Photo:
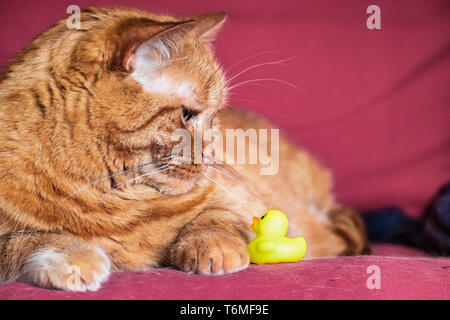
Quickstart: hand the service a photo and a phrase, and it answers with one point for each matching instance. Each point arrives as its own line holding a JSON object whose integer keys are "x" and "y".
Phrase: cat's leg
{"x": 53, "y": 261}
{"x": 214, "y": 243}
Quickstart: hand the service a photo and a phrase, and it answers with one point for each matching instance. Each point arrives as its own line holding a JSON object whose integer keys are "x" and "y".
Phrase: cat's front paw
{"x": 76, "y": 269}
{"x": 210, "y": 253}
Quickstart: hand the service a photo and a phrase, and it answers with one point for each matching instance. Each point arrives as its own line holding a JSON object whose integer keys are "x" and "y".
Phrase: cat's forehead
{"x": 191, "y": 78}
{"x": 184, "y": 91}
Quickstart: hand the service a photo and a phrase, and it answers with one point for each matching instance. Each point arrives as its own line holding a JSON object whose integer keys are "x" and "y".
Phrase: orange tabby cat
{"x": 88, "y": 182}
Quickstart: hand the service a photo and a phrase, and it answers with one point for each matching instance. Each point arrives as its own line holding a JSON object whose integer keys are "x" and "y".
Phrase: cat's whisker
{"x": 228, "y": 174}
{"x": 261, "y": 85}
{"x": 240, "y": 84}
{"x": 231, "y": 174}
{"x": 212, "y": 179}
{"x": 124, "y": 172}
{"x": 254, "y": 56}
{"x": 152, "y": 172}
{"x": 279, "y": 62}
{"x": 134, "y": 169}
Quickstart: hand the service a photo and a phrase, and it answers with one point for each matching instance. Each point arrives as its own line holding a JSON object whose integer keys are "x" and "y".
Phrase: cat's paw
{"x": 82, "y": 268}
{"x": 210, "y": 253}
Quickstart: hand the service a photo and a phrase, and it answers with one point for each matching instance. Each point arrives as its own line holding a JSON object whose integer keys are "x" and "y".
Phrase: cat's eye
{"x": 188, "y": 114}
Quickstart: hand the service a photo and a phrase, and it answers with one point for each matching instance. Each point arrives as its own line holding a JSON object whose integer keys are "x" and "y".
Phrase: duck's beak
{"x": 255, "y": 223}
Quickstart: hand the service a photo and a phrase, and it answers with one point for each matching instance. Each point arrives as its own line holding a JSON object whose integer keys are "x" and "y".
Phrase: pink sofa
{"x": 373, "y": 105}
{"x": 404, "y": 274}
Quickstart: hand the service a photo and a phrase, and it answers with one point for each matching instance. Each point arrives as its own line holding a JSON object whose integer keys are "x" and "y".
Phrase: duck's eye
{"x": 188, "y": 114}
{"x": 263, "y": 217}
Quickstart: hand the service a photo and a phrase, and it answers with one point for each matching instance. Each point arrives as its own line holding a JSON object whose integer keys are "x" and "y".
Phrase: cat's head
{"x": 147, "y": 76}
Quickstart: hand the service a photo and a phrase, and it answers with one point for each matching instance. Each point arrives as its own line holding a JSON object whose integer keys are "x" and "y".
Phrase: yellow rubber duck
{"x": 271, "y": 244}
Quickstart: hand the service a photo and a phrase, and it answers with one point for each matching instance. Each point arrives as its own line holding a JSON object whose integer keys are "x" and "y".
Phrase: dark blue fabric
{"x": 436, "y": 221}
{"x": 431, "y": 233}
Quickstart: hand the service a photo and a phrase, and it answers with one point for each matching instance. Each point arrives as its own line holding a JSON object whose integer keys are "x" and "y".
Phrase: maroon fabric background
{"x": 374, "y": 105}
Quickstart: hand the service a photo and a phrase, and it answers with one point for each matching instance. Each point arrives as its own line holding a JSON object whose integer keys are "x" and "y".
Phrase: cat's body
{"x": 84, "y": 112}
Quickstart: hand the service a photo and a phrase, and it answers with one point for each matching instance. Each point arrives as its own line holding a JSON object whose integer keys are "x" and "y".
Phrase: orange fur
{"x": 76, "y": 127}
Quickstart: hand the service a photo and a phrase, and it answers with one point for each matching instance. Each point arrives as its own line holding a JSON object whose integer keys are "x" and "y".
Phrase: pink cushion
{"x": 402, "y": 277}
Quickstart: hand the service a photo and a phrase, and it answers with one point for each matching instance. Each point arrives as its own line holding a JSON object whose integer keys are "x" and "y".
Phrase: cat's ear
{"x": 208, "y": 25}
{"x": 155, "y": 40}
